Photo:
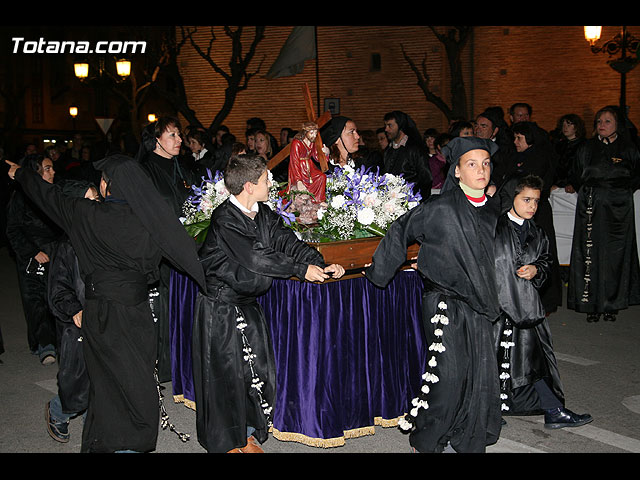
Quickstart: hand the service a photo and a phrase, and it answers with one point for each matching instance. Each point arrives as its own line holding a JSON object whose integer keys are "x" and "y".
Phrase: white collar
{"x": 401, "y": 143}
{"x": 519, "y": 221}
{"x": 254, "y": 208}
{"x": 200, "y": 154}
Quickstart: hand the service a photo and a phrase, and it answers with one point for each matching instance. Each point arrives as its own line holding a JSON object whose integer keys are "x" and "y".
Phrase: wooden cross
{"x": 320, "y": 121}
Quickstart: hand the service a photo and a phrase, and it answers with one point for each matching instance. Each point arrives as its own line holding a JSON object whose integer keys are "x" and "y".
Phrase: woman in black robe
{"x": 119, "y": 244}
{"x": 33, "y": 238}
{"x": 529, "y": 378}
{"x": 604, "y": 276}
{"x": 573, "y": 134}
{"x": 159, "y": 155}
{"x": 460, "y": 398}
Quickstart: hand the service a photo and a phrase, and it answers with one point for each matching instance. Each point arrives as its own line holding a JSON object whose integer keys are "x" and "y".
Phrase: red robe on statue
{"x": 302, "y": 168}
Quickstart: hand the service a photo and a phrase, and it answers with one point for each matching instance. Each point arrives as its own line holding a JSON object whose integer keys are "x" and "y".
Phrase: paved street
{"x": 599, "y": 364}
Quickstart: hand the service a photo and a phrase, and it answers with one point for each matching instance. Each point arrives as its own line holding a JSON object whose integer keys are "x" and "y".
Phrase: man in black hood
{"x": 119, "y": 244}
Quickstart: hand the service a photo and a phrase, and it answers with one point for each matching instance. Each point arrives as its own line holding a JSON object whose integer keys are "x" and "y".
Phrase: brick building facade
{"x": 550, "y": 67}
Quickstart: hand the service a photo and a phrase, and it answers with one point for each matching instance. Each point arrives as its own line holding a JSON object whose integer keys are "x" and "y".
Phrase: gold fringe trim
{"x": 336, "y": 441}
{"x": 312, "y": 441}
{"x": 187, "y": 403}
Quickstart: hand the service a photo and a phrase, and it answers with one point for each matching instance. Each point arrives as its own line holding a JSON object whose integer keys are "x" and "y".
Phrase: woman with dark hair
{"x": 159, "y": 157}
{"x": 535, "y": 155}
{"x": 573, "y": 134}
{"x": 342, "y": 139}
{"x": 201, "y": 151}
{"x": 33, "y": 237}
{"x": 604, "y": 275}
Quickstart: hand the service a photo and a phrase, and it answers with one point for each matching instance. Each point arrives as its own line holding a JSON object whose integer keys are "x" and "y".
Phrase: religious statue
{"x": 304, "y": 174}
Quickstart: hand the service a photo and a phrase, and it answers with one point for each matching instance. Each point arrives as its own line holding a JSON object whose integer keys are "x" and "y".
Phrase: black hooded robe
{"x": 119, "y": 244}
{"x": 456, "y": 261}
{"x": 523, "y": 342}
{"x": 604, "y": 275}
{"x": 240, "y": 257}
{"x": 173, "y": 180}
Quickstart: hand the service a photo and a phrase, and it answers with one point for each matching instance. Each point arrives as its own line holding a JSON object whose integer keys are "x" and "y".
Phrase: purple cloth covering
{"x": 346, "y": 352}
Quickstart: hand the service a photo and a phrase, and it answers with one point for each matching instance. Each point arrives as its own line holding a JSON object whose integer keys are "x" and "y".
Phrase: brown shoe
{"x": 251, "y": 446}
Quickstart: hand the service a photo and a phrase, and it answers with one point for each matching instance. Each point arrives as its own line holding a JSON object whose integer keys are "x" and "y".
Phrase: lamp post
{"x": 81, "y": 71}
{"x": 624, "y": 44}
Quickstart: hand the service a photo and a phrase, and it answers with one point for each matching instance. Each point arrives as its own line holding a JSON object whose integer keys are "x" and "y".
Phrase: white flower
{"x": 221, "y": 188}
{"x": 337, "y": 201}
{"x": 432, "y": 362}
{"x": 366, "y": 216}
{"x": 321, "y": 211}
{"x": 370, "y": 199}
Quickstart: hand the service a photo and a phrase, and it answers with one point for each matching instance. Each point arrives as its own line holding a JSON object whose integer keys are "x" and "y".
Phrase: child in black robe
{"x": 246, "y": 246}
{"x": 529, "y": 378}
{"x": 459, "y": 403}
{"x": 66, "y": 300}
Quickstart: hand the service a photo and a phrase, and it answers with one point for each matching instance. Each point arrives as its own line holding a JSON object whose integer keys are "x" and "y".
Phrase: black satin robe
{"x": 540, "y": 159}
{"x": 240, "y": 257}
{"x": 66, "y": 298}
{"x": 172, "y": 178}
{"x": 457, "y": 262}
{"x": 531, "y": 357}
{"x": 605, "y": 177}
{"x": 118, "y": 331}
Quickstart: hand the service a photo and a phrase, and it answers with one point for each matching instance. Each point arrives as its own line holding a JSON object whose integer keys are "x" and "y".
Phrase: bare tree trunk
{"x": 454, "y": 41}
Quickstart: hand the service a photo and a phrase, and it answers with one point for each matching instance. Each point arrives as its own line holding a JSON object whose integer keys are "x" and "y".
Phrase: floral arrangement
{"x": 359, "y": 203}
{"x": 362, "y": 203}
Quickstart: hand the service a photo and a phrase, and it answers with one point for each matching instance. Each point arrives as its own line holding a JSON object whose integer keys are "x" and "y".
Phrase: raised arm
{"x": 45, "y": 195}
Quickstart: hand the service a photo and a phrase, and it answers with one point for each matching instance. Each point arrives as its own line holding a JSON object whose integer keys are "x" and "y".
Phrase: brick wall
{"x": 550, "y": 67}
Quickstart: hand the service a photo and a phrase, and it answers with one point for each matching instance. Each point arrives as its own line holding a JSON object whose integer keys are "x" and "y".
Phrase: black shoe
{"x": 593, "y": 317}
{"x": 59, "y": 431}
{"x": 609, "y": 317}
{"x": 562, "y": 417}
{"x": 504, "y": 422}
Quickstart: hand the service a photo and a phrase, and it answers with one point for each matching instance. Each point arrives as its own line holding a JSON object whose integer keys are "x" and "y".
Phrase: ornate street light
{"x": 123, "y": 67}
{"x": 81, "y": 70}
{"x": 624, "y": 44}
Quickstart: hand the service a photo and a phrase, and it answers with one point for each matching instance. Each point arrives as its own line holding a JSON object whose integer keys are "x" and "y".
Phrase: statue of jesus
{"x": 304, "y": 174}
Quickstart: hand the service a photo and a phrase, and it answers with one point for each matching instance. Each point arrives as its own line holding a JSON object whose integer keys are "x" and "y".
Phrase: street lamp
{"x": 81, "y": 70}
{"x": 123, "y": 67}
{"x": 623, "y": 43}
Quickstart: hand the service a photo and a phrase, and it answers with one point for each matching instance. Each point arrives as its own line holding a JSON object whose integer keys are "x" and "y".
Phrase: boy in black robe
{"x": 529, "y": 378}
{"x": 66, "y": 300}
{"x": 459, "y": 402}
{"x": 247, "y": 245}
{"x": 119, "y": 244}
